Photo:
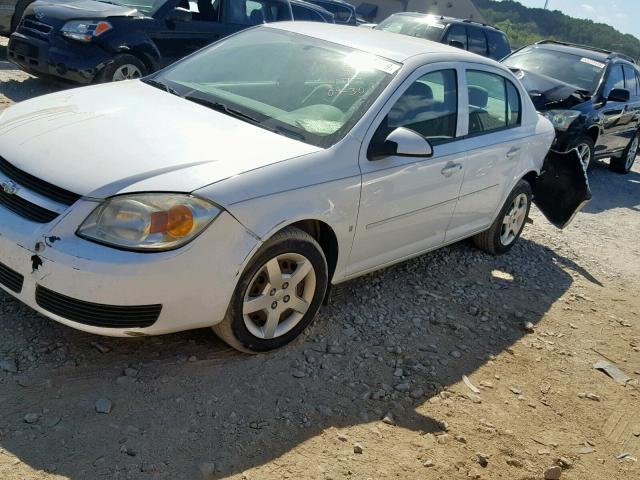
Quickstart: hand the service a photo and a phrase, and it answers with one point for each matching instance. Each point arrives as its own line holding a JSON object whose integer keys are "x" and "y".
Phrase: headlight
{"x": 85, "y": 30}
{"x": 561, "y": 119}
{"x": 149, "y": 221}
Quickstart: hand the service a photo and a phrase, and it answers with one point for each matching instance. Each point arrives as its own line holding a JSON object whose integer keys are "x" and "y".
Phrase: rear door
{"x": 494, "y": 142}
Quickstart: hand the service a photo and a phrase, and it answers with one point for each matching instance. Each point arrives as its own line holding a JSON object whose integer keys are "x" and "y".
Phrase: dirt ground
{"x": 375, "y": 390}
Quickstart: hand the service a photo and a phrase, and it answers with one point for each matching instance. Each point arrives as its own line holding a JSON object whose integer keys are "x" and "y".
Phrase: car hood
{"x": 130, "y": 137}
{"x": 548, "y": 93}
{"x": 57, "y": 12}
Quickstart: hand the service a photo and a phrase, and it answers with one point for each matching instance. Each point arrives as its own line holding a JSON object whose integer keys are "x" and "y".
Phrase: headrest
{"x": 478, "y": 96}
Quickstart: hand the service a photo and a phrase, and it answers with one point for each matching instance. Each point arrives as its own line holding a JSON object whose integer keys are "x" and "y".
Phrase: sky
{"x": 622, "y": 15}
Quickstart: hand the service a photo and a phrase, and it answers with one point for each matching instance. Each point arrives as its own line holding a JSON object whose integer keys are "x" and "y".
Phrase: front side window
{"x": 498, "y": 44}
{"x": 342, "y": 13}
{"x": 615, "y": 79}
{"x": 429, "y": 107}
{"x": 491, "y": 106}
{"x": 477, "y": 41}
{"x": 294, "y": 85}
{"x": 305, "y": 14}
{"x": 630, "y": 80}
{"x": 256, "y": 12}
{"x": 202, "y": 10}
{"x": 458, "y": 34}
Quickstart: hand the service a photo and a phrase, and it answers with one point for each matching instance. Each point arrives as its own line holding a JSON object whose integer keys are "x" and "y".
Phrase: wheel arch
{"x": 593, "y": 132}
{"x": 326, "y": 237}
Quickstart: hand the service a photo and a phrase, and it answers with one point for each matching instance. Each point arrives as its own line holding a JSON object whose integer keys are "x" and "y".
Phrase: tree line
{"x": 525, "y": 25}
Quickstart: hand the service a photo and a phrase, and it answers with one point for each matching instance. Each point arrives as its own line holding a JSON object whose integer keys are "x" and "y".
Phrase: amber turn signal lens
{"x": 177, "y": 221}
{"x": 101, "y": 27}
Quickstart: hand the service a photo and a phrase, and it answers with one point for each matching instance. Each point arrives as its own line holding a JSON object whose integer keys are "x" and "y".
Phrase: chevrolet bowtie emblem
{"x": 9, "y": 187}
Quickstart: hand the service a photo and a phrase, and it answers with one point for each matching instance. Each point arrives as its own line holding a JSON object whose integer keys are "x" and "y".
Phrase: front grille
{"x": 11, "y": 279}
{"x": 96, "y": 314}
{"x": 45, "y": 189}
{"x": 35, "y": 26}
{"x": 26, "y": 209}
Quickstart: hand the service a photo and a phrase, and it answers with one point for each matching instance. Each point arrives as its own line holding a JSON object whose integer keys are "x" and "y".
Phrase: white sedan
{"x": 233, "y": 188}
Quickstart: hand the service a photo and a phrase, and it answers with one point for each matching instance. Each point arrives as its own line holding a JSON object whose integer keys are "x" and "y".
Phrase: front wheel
{"x": 626, "y": 161}
{"x": 507, "y": 227}
{"x": 123, "y": 67}
{"x": 278, "y": 294}
{"x": 586, "y": 150}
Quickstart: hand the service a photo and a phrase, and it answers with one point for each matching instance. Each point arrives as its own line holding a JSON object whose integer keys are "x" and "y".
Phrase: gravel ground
{"x": 376, "y": 389}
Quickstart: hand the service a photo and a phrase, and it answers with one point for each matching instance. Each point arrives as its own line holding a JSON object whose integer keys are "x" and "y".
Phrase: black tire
{"x": 490, "y": 240}
{"x": 106, "y": 75}
{"x": 233, "y": 330}
{"x": 21, "y": 6}
{"x": 624, "y": 164}
{"x": 586, "y": 140}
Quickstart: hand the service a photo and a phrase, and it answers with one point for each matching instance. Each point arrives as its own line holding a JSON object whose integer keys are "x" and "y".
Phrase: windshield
{"x": 424, "y": 27}
{"x": 582, "y": 72}
{"x": 143, "y": 6}
{"x": 294, "y": 85}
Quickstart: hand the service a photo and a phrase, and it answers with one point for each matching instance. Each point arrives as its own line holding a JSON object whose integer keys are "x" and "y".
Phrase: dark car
{"x": 86, "y": 41}
{"x": 592, "y": 97}
{"x": 475, "y": 37}
{"x": 309, "y": 12}
{"x": 345, "y": 13}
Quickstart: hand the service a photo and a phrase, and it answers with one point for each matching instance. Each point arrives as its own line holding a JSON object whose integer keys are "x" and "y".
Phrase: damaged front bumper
{"x": 112, "y": 292}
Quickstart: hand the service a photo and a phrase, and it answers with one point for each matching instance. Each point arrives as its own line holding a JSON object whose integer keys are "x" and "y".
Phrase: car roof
{"x": 446, "y": 20}
{"x": 384, "y": 44}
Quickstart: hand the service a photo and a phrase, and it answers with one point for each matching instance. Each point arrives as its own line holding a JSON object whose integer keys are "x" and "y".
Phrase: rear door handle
{"x": 450, "y": 168}
{"x": 513, "y": 152}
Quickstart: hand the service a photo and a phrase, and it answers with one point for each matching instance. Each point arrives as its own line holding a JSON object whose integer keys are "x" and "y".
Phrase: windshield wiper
{"x": 160, "y": 85}
{"x": 221, "y": 107}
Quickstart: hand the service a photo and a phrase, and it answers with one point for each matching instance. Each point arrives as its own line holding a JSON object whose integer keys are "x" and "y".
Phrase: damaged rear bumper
{"x": 111, "y": 292}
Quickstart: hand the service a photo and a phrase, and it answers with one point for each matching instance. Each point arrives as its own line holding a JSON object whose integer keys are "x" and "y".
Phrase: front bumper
{"x": 57, "y": 56}
{"x": 193, "y": 285}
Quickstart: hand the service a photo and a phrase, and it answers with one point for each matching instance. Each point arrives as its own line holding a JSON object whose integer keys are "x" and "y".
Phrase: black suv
{"x": 475, "y": 37}
{"x": 592, "y": 97}
{"x": 344, "y": 12}
{"x": 109, "y": 40}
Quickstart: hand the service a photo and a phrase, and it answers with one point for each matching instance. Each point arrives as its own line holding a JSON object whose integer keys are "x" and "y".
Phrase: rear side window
{"x": 614, "y": 80}
{"x": 477, "y": 41}
{"x": 494, "y": 102}
{"x": 457, "y": 33}
{"x": 630, "y": 80}
{"x": 498, "y": 44}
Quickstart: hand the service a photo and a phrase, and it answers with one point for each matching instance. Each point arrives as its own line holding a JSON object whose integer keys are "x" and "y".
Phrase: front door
{"x": 614, "y": 115}
{"x": 176, "y": 39}
{"x": 406, "y": 202}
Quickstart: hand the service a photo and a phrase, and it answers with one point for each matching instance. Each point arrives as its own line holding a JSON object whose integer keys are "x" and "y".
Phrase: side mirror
{"x": 178, "y": 15}
{"x": 619, "y": 95}
{"x": 456, "y": 43}
{"x": 403, "y": 142}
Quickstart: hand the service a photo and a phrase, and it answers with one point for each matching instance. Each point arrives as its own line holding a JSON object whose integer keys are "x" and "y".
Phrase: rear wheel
{"x": 626, "y": 161}
{"x": 278, "y": 294}
{"x": 507, "y": 227}
{"x": 123, "y": 67}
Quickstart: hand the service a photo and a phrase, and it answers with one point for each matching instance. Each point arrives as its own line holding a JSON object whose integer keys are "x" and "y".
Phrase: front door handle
{"x": 450, "y": 168}
{"x": 513, "y": 152}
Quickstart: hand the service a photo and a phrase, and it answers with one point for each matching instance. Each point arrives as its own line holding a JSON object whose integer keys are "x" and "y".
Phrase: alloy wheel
{"x": 279, "y": 295}
{"x": 126, "y": 72}
{"x": 631, "y": 154}
{"x": 514, "y": 219}
{"x": 584, "y": 152}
